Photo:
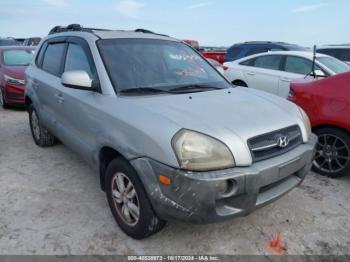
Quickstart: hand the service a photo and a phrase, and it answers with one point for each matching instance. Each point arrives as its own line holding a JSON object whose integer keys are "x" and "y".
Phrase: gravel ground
{"x": 51, "y": 203}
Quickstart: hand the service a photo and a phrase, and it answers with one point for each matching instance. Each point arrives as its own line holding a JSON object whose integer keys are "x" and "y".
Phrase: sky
{"x": 211, "y": 22}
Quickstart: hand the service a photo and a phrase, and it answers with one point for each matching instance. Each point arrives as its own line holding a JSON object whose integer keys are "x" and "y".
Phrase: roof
{"x": 76, "y": 29}
{"x": 306, "y": 54}
{"x": 334, "y": 46}
{"x": 266, "y": 43}
{"x": 112, "y": 34}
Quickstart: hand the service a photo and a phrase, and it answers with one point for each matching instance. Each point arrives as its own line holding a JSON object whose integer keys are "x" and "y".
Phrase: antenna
{"x": 314, "y": 62}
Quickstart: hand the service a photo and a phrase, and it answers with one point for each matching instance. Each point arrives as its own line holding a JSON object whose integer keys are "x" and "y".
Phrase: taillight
{"x": 225, "y": 67}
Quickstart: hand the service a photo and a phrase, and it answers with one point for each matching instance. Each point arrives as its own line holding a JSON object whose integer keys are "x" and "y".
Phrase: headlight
{"x": 199, "y": 152}
{"x": 306, "y": 121}
{"x": 13, "y": 81}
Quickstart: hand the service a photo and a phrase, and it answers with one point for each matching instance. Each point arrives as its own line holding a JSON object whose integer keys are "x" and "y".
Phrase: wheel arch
{"x": 105, "y": 156}
{"x": 27, "y": 101}
{"x": 317, "y": 127}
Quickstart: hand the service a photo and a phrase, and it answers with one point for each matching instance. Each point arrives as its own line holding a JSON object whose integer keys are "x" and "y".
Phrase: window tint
{"x": 268, "y": 62}
{"x": 77, "y": 60}
{"x": 52, "y": 58}
{"x": 257, "y": 50}
{"x": 299, "y": 65}
{"x": 248, "y": 62}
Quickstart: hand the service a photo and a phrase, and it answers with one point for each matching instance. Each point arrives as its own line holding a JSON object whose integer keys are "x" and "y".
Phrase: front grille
{"x": 269, "y": 145}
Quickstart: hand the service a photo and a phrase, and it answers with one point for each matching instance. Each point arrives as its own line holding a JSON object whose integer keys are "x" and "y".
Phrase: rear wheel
{"x": 129, "y": 202}
{"x": 42, "y": 137}
{"x": 332, "y": 152}
{"x": 239, "y": 83}
{"x": 2, "y": 99}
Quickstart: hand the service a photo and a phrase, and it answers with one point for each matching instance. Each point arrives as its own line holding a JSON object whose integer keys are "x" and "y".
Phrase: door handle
{"x": 286, "y": 80}
{"x": 59, "y": 98}
{"x": 35, "y": 84}
{"x": 251, "y": 73}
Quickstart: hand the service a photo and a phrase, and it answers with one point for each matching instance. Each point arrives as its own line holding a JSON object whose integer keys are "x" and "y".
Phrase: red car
{"x": 13, "y": 62}
{"x": 327, "y": 103}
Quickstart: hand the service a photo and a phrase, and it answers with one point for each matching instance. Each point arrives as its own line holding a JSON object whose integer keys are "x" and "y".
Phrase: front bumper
{"x": 205, "y": 197}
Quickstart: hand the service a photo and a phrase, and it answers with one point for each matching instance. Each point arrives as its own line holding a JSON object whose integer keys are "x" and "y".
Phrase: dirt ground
{"x": 51, "y": 203}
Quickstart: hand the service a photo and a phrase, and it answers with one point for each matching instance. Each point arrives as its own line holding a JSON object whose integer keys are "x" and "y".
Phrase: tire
{"x": 2, "y": 100}
{"x": 147, "y": 222}
{"x": 42, "y": 137}
{"x": 332, "y": 152}
{"x": 239, "y": 83}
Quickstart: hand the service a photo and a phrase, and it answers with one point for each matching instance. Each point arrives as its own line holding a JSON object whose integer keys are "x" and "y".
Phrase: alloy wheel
{"x": 125, "y": 199}
{"x": 332, "y": 154}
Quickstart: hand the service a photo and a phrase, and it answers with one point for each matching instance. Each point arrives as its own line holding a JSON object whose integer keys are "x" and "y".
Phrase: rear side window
{"x": 77, "y": 60}
{"x": 53, "y": 58}
{"x": 269, "y": 62}
{"x": 257, "y": 50}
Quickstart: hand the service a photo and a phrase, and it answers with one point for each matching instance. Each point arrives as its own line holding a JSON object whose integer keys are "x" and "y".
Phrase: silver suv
{"x": 170, "y": 136}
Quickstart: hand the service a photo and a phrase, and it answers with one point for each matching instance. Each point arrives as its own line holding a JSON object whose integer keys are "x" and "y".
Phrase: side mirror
{"x": 77, "y": 79}
{"x": 319, "y": 73}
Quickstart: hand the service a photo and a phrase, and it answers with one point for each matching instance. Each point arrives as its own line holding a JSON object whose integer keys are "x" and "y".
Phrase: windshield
{"x": 18, "y": 57}
{"x": 334, "y": 64}
{"x": 149, "y": 63}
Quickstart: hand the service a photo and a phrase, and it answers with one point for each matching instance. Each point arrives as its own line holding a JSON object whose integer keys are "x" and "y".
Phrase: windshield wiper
{"x": 193, "y": 88}
{"x": 143, "y": 90}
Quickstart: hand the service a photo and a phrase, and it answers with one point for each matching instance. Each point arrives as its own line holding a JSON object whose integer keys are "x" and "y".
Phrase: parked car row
{"x": 170, "y": 136}
{"x": 274, "y": 71}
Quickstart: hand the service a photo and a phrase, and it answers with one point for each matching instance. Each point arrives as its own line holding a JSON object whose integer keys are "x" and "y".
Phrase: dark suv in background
{"x": 342, "y": 52}
{"x": 241, "y": 50}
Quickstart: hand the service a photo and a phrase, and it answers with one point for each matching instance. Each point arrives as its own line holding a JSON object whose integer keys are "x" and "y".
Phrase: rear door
{"x": 264, "y": 73}
{"x": 46, "y": 79}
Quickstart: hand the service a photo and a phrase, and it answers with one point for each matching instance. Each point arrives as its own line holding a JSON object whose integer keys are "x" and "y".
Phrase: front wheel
{"x": 332, "y": 152}
{"x": 129, "y": 202}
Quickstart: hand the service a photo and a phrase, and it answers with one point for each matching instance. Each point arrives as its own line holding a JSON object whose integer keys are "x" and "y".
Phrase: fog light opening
{"x": 228, "y": 188}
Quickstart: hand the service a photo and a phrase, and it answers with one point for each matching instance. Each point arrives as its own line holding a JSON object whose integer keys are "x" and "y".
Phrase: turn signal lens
{"x": 164, "y": 180}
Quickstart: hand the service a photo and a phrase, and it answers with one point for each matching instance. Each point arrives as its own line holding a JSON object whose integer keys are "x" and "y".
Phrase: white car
{"x": 273, "y": 71}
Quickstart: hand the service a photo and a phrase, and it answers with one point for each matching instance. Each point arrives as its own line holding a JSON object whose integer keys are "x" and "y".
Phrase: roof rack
{"x": 145, "y": 31}
{"x": 79, "y": 28}
{"x": 74, "y": 27}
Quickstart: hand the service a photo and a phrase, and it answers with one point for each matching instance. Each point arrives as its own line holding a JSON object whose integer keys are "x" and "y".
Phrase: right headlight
{"x": 198, "y": 152}
{"x": 306, "y": 121}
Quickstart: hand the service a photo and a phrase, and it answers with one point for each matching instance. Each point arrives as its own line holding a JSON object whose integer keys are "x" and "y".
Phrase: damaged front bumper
{"x": 205, "y": 197}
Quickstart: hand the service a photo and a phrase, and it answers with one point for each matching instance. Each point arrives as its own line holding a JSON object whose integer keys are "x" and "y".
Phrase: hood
{"x": 15, "y": 71}
{"x": 231, "y": 115}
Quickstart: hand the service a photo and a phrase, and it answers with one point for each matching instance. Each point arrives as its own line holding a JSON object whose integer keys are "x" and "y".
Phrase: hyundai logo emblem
{"x": 282, "y": 141}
